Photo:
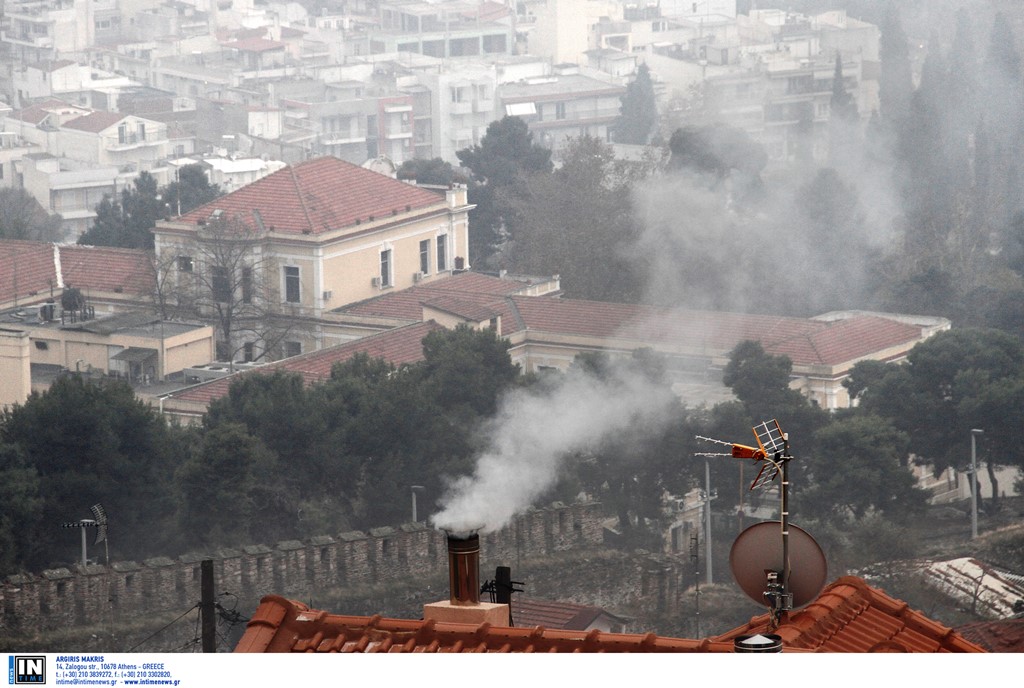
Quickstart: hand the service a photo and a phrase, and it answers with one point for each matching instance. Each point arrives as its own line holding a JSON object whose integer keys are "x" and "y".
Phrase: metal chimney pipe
{"x": 464, "y": 569}
{"x": 759, "y": 642}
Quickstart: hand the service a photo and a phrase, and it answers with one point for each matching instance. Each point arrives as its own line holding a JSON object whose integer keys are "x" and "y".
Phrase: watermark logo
{"x": 27, "y": 670}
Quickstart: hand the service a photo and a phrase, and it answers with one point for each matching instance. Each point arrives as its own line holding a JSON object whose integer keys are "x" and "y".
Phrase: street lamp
{"x": 415, "y": 489}
{"x": 974, "y": 482}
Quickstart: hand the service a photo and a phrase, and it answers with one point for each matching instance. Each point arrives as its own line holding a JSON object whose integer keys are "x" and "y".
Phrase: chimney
{"x": 463, "y": 604}
{"x": 464, "y": 569}
{"x": 760, "y": 642}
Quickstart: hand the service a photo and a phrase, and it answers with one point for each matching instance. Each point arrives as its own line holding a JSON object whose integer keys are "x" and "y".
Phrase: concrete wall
{"x": 124, "y": 591}
{"x": 15, "y": 374}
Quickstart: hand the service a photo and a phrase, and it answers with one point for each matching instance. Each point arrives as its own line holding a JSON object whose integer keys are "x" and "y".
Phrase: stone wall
{"x": 87, "y": 595}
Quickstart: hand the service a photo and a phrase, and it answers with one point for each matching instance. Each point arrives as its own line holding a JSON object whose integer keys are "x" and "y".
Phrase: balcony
{"x": 463, "y": 108}
{"x": 128, "y": 142}
{"x": 26, "y": 39}
{"x": 338, "y": 138}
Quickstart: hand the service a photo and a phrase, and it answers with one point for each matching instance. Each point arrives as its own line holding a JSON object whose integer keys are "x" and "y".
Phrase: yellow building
{"x": 299, "y": 242}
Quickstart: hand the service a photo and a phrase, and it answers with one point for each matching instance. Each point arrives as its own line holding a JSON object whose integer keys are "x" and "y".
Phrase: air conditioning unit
{"x": 375, "y": 282}
{"x": 417, "y": 276}
{"x": 328, "y": 294}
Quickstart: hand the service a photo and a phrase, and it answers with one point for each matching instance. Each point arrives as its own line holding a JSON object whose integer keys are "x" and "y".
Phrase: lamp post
{"x": 974, "y": 482}
{"x": 415, "y": 489}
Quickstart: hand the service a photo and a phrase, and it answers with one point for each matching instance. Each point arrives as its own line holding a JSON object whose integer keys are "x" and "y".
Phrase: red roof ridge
{"x": 302, "y": 197}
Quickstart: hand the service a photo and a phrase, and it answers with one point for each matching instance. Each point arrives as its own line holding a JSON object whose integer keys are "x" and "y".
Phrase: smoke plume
{"x": 534, "y": 431}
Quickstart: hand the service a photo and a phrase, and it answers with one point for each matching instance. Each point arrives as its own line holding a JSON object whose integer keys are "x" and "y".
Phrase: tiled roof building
{"x": 1006, "y": 635}
{"x": 32, "y": 271}
{"x": 282, "y": 625}
{"x": 851, "y": 616}
{"x": 321, "y": 233}
{"x": 398, "y": 346}
{"x": 549, "y": 332}
{"x": 848, "y": 616}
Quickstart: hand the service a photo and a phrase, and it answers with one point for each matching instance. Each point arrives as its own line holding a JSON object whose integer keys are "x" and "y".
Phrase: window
{"x": 221, "y": 284}
{"x": 246, "y": 285}
{"x": 122, "y": 133}
{"x": 442, "y": 252}
{"x": 247, "y": 351}
{"x": 385, "y": 268}
{"x": 292, "y": 349}
{"x": 142, "y": 131}
{"x": 185, "y": 264}
{"x": 42, "y": 346}
{"x": 559, "y": 110}
{"x": 425, "y": 256}
{"x": 291, "y": 284}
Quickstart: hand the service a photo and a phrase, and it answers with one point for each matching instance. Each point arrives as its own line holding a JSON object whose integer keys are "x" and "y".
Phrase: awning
{"x": 133, "y": 354}
{"x": 520, "y": 109}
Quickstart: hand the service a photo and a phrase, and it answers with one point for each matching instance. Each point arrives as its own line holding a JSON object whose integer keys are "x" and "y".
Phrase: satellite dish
{"x": 758, "y": 549}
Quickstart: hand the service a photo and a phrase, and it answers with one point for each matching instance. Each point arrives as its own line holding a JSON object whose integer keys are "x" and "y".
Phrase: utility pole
{"x": 974, "y": 482}
{"x": 208, "y": 606}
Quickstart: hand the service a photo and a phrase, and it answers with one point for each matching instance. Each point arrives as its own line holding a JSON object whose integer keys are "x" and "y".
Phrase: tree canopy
{"x": 639, "y": 118}
{"x": 505, "y": 157}
{"x": 578, "y": 223}
{"x": 23, "y": 217}
{"x": 126, "y": 222}
{"x": 434, "y": 171}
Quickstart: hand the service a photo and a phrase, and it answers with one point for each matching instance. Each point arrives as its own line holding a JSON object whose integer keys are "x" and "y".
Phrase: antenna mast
{"x": 772, "y": 452}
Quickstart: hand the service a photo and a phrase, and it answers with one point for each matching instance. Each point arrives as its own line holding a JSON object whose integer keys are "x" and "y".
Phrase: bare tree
{"x": 22, "y": 217}
{"x": 223, "y": 276}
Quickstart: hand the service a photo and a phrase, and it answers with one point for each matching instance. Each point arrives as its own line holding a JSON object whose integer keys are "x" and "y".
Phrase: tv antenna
{"x": 99, "y": 522}
{"x": 761, "y": 561}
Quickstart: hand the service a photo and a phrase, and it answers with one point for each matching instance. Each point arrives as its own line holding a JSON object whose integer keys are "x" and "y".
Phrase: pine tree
{"x": 127, "y": 223}
{"x": 1004, "y": 100}
{"x": 895, "y": 83}
{"x": 844, "y": 130}
{"x": 639, "y": 110}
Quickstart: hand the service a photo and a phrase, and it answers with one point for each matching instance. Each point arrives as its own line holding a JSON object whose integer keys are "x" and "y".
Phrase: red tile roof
{"x": 469, "y": 287}
{"x": 28, "y": 270}
{"x": 851, "y": 616}
{"x": 97, "y": 268}
{"x": 529, "y": 613}
{"x": 848, "y": 617}
{"x": 806, "y": 342}
{"x": 845, "y": 340}
{"x": 282, "y": 625}
{"x": 37, "y": 112}
{"x": 398, "y": 346}
{"x": 318, "y": 196}
{"x": 95, "y": 121}
{"x": 1006, "y": 635}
